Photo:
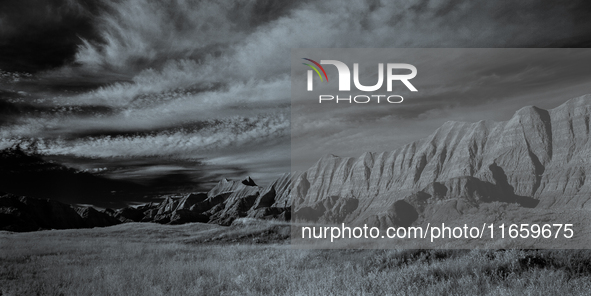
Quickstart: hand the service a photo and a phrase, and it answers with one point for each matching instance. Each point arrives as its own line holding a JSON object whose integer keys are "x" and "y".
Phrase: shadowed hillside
{"x": 23, "y": 173}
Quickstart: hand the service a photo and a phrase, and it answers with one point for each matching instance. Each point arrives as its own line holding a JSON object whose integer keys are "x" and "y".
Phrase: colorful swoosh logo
{"x": 315, "y": 69}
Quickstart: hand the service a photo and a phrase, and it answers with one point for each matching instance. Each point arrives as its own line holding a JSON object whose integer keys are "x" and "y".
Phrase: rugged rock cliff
{"x": 539, "y": 158}
{"x": 223, "y": 204}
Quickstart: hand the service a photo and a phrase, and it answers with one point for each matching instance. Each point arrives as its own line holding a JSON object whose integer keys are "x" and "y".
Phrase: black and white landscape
{"x": 536, "y": 160}
{"x": 152, "y": 144}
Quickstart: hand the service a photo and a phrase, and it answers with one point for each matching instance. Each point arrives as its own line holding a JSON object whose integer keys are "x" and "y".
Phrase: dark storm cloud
{"x": 140, "y": 34}
{"x": 39, "y": 34}
{"x": 21, "y": 110}
{"x": 161, "y": 67}
{"x": 137, "y": 34}
{"x": 161, "y": 174}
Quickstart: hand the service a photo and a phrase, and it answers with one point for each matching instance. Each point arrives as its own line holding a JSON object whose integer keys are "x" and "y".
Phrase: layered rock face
{"x": 539, "y": 158}
{"x": 224, "y": 203}
{"x": 227, "y": 201}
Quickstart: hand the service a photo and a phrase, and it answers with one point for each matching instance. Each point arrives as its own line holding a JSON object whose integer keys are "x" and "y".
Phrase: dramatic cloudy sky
{"x": 201, "y": 89}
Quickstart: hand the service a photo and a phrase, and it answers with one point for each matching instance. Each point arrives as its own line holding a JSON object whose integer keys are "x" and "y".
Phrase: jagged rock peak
{"x": 248, "y": 181}
{"x": 224, "y": 185}
{"x": 529, "y": 112}
{"x": 578, "y": 101}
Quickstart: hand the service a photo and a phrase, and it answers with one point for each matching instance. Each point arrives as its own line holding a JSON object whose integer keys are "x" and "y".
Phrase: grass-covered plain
{"x": 202, "y": 259}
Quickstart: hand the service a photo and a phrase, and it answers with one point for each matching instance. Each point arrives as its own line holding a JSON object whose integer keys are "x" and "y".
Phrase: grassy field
{"x": 202, "y": 259}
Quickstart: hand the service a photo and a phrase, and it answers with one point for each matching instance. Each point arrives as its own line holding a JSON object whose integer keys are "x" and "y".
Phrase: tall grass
{"x": 147, "y": 261}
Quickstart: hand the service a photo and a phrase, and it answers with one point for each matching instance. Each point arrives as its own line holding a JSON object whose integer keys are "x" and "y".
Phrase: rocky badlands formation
{"x": 227, "y": 201}
{"x": 538, "y": 159}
